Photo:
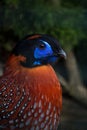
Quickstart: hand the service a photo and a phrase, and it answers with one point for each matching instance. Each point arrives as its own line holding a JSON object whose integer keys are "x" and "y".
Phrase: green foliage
{"x": 75, "y": 3}
{"x": 67, "y": 25}
{"x": 12, "y": 3}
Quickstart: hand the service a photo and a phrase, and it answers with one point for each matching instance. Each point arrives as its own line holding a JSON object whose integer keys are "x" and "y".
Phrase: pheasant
{"x": 30, "y": 92}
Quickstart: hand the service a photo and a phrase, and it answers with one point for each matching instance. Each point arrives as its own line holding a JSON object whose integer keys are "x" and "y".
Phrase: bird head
{"x": 38, "y": 50}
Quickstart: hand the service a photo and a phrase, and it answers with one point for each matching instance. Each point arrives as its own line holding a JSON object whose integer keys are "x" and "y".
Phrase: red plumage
{"x": 30, "y": 98}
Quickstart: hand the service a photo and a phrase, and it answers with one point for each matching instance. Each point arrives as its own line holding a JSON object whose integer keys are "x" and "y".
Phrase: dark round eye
{"x": 41, "y": 46}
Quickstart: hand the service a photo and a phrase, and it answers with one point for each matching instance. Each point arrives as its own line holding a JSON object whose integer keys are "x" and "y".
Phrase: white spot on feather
{"x": 28, "y": 122}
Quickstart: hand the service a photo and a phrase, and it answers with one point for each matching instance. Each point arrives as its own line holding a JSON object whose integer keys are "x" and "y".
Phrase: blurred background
{"x": 66, "y": 20}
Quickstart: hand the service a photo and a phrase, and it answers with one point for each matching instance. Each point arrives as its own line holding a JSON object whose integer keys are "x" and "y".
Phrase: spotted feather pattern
{"x": 28, "y": 101}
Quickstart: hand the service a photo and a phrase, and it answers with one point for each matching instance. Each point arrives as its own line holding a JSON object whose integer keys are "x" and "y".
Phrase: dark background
{"x": 67, "y": 21}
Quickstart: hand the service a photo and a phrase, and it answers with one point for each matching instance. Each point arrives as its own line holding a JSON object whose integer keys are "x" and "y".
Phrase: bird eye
{"x": 42, "y": 46}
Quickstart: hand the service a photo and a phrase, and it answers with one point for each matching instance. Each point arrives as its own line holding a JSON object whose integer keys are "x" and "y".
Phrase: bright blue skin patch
{"x": 52, "y": 59}
{"x": 40, "y": 53}
{"x": 36, "y": 63}
{"x": 44, "y": 54}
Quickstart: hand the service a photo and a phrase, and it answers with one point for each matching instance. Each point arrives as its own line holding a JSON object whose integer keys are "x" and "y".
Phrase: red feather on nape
{"x": 33, "y": 36}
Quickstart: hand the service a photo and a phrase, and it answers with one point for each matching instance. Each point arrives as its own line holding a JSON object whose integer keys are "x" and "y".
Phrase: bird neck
{"x": 40, "y": 80}
{"x": 42, "y": 74}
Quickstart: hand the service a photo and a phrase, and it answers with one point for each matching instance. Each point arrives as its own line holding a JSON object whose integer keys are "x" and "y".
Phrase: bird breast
{"x": 30, "y": 99}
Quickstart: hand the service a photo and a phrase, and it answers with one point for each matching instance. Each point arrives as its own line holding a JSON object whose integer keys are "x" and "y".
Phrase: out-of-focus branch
{"x": 77, "y": 92}
{"x": 1, "y": 68}
{"x": 74, "y": 86}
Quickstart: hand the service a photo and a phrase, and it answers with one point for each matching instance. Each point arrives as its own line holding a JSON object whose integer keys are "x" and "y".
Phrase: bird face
{"x": 39, "y": 50}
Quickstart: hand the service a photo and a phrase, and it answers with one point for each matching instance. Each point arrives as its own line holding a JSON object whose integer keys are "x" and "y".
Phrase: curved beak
{"x": 62, "y": 54}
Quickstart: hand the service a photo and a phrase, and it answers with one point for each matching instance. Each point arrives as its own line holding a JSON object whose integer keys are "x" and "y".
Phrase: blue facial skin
{"x": 44, "y": 54}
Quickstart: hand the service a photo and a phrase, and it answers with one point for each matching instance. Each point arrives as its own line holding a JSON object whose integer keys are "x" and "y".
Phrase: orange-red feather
{"x": 29, "y": 93}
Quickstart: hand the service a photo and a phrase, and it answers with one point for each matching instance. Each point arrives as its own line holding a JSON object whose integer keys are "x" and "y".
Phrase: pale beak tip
{"x": 63, "y": 54}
